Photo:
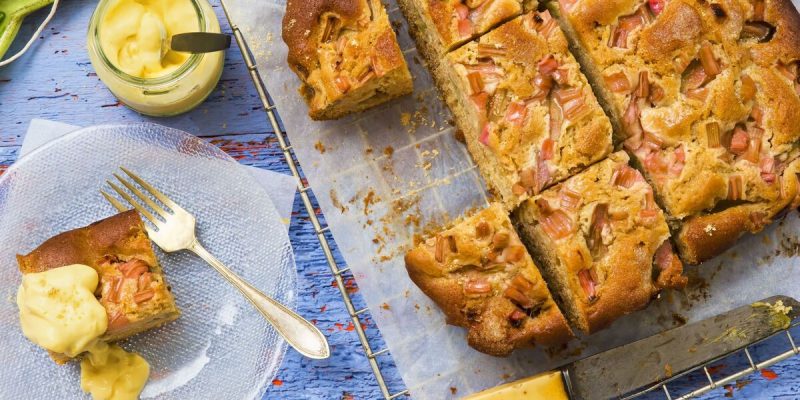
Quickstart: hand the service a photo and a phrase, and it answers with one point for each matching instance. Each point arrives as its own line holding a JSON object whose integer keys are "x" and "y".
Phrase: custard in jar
{"x": 125, "y": 42}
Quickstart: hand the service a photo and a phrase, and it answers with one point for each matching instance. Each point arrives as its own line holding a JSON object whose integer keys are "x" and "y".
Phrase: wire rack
{"x": 337, "y": 271}
{"x": 320, "y": 230}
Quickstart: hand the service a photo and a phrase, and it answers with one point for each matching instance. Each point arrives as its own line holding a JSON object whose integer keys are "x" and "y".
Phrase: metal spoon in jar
{"x": 194, "y": 42}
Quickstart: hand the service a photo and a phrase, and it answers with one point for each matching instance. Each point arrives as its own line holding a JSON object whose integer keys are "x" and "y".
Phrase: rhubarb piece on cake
{"x": 439, "y": 26}
{"x": 603, "y": 243}
{"x": 131, "y": 288}
{"x": 705, "y": 96}
{"x": 346, "y": 54}
{"x": 483, "y": 279}
{"x": 528, "y": 114}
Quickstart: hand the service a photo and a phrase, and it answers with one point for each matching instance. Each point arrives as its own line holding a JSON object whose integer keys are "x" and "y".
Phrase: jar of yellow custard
{"x": 125, "y": 42}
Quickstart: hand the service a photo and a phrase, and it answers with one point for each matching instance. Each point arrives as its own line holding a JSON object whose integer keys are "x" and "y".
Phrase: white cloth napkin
{"x": 280, "y": 188}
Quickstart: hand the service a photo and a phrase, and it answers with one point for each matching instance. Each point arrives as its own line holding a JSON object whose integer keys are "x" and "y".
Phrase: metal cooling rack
{"x": 320, "y": 231}
{"x": 354, "y": 313}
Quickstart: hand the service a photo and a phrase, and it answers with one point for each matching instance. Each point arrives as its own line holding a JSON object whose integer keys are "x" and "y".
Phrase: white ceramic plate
{"x": 220, "y": 347}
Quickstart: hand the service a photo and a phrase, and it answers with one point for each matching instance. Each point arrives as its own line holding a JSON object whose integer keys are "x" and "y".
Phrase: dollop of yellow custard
{"x": 131, "y": 33}
{"x": 59, "y": 312}
{"x": 109, "y": 372}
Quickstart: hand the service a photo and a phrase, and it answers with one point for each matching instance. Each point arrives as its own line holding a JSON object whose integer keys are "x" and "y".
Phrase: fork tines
{"x": 161, "y": 211}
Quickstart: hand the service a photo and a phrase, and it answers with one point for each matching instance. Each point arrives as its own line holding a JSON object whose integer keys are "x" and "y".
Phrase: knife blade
{"x": 621, "y": 370}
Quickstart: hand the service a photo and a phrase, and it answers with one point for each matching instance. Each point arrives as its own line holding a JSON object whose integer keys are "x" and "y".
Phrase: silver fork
{"x": 177, "y": 232}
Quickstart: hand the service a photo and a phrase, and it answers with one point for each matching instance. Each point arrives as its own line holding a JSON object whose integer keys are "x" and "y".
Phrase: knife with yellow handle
{"x": 622, "y": 370}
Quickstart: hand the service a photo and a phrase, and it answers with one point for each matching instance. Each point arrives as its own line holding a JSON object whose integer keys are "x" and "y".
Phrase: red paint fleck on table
{"x": 350, "y": 327}
{"x": 323, "y": 308}
{"x": 277, "y": 382}
{"x": 715, "y": 368}
{"x": 728, "y": 390}
{"x": 769, "y": 374}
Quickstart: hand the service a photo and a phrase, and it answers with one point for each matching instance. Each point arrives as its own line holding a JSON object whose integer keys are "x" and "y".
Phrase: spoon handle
{"x": 200, "y": 42}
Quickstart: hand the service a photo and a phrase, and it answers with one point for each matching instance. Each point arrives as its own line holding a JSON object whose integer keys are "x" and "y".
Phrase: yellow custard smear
{"x": 131, "y": 33}
{"x": 59, "y": 312}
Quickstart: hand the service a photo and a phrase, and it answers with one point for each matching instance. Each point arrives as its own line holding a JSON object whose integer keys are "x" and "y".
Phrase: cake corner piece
{"x": 482, "y": 278}
{"x": 707, "y": 98}
{"x": 346, "y": 54}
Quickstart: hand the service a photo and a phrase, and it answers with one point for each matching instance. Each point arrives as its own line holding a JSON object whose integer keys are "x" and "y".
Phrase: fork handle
{"x": 299, "y": 333}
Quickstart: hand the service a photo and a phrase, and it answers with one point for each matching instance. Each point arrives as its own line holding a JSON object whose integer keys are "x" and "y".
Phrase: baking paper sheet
{"x": 386, "y": 174}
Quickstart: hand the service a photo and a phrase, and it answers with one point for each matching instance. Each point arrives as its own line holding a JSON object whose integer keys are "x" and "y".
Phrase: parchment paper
{"x": 386, "y": 174}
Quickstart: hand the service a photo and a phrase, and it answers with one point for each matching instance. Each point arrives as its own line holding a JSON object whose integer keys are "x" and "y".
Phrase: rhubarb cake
{"x": 131, "y": 288}
{"x": 705, "y": 96}
{"x": 529, "y": 116}
{"x": 483, "y": 279}
{"x": 346, "y": 55}
{"x": 602, "y": 241}
{"x": 439, "y": 26}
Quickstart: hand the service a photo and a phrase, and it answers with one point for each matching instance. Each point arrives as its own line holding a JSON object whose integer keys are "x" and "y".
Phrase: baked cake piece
{"x": 132, "y": 287}
{"x": 346, "y": 54}
{"x": 529, "y": 116}
{"x": 705, "y": 95}
{"x": 439, "y": 26}
{"x": 603, "y": 242}
{"x": 483, "y": 279}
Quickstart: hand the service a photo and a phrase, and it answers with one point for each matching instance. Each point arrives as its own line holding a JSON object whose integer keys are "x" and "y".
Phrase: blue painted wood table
{"x": 56, "y": 81}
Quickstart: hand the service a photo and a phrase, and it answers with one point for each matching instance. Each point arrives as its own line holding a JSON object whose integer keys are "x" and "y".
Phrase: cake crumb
{"x": 709, "y": 229}
{"x": 453, "y": 390}
{"x": 405, "y": 119}
{"x": 388, "y": 151}
{"x": 320, "y": 147}
{"x": 336, "y": 203}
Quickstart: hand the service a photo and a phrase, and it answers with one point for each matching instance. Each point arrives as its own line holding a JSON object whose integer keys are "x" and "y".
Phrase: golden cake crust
{"x": 489, "y": 285}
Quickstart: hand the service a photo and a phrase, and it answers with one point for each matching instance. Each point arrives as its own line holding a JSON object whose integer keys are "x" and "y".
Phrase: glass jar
{"x": 175, "y": 92}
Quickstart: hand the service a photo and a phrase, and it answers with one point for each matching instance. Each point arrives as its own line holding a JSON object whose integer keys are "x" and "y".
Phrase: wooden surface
{"x": 56, "y": 81}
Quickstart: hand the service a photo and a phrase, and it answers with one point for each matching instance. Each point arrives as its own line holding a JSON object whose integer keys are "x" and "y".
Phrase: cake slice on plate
{"x": 483, "y": 279}
{"x": 345, "y": 53}
{"x": 529, "y": 116}
{"x": 132, "y": 287}
{"x": 705, "y": 97}
{"x": 602, "y": 241}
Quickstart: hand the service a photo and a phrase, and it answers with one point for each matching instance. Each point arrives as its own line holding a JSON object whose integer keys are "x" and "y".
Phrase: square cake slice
{"x": 529, "y": 116}
{"x": 483, "y": 279}
{"x": 602, "y": 241}
{"x": 132, "y": 287}
{"x": 346, "y": 54}
{"x": 439, "y": 26}
{"x": 705, "y": 98}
